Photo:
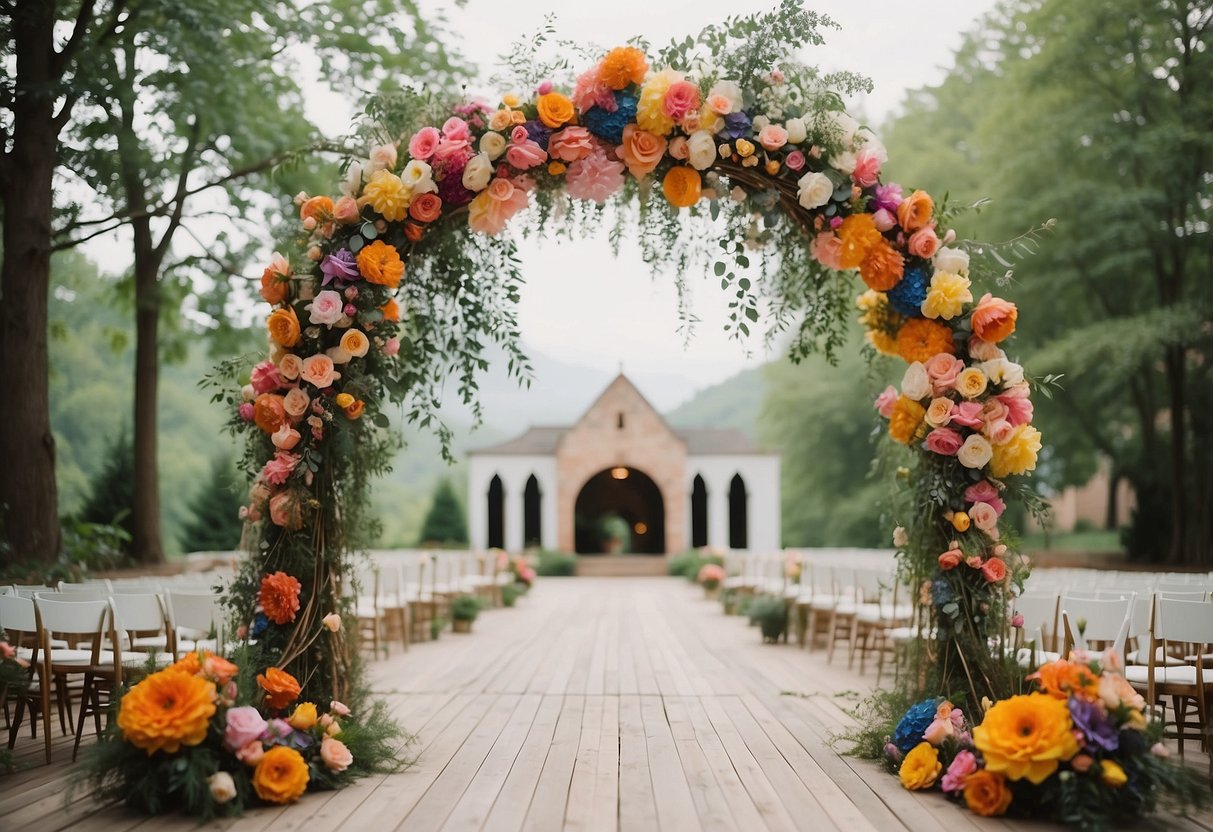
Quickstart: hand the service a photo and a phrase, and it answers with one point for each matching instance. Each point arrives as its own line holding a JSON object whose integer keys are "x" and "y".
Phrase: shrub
{"x": 511, "y": 592}
{"x": 437, "y": 625}
{"x": 556, "y": 564}
{"x": 771, "y": 615}
{"x": 465, "y": 608}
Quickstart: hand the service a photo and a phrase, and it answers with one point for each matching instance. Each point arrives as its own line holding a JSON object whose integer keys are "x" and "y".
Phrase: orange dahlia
{"x": 380, "y": 263}
{"x": 167, "y": 710}
{"x": 859, "y": 235}
{"x": 281, "y": 688}
{"x": 623, "y": 65}
{"x": 921, "y": 339}
{"x": 281, "y": 776}
{"x": 279, "y": 597}
{"x": 1062, "y": 678}
{"x": 905, "y": 420}
{"x": 883, "y": 267}
{"x": 1026, "y": 737}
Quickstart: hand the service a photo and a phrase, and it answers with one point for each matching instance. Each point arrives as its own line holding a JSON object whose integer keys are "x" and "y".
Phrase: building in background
{"x": 622, "y": 480}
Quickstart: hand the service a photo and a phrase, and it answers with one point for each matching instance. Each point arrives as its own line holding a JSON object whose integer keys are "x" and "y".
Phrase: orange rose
{"x": 882, "y": 268}
{"x": 641, "y": 150}
{"x": 281, "y": 776}
{"x": 413, "y": 232}
{"x": 381, "y": 264}
{"x": 623, "y": 65}
{"x": 555, "y": 110}
{"x": 390, "y": 310}
{"x": 915, "y": 211}
{"x": 986, "y": 793}
{"x": 318, "y": 208}
{"x": 859, "y": 236}
{"x": 283, "y": 325}
{"x": 354, "y": 411}
{"x": 426, "y": 207}
{"x": 920, "y": 339}
{"x": 682, "y": 186}
{"x": 269, "y": 412}
{"x": 994, "y": 318}
{"x": 275, "y": 286}
{"x": 281, "y": 688}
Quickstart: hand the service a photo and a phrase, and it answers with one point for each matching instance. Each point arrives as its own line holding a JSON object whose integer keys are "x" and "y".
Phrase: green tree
{"x": 112, "y": 494}
{"x": 444, "y": 523}
{"x": 215, "y": 524}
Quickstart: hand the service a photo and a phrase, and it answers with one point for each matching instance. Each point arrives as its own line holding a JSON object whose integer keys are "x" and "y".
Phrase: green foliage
{"x": 510, "y": 593}
{"x": 444, "y": 522}
{"x": 111, "y": 497}
{"x": 216, "y": 508}
{"x": 437, "y": 625}
{"x": 94, "y": 546}
{"x": 465, "y": 608}
{"x": 771, "y": 616}
{"x": 555, "y": 564}
{"x": 688, "y": 564}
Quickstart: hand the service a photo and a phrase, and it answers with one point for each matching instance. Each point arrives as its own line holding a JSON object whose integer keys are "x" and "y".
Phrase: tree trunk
{"x": 29, "y": 499}
{"x": 148, "y": 545}
{"x": 1112, "y": 517}
{"x": 1179, "y": 465}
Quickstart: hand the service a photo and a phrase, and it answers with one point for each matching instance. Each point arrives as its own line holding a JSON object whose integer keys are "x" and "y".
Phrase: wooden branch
{"x": 187, "y": 164}
{"x": 84, "y": 16}
{"x": 72, "y": 243}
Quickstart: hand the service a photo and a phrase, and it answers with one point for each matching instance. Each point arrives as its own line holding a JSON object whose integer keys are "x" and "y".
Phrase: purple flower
{"x": 340, "y": 266}
{"x": 1089, "y": 718}
{"x": 887, "y": 197}
{"x": 736, "y": 126}
{"x": 538, "y": 132}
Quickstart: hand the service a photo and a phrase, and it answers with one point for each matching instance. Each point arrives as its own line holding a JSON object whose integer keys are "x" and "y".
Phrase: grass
{"x": 1085, "y": 541}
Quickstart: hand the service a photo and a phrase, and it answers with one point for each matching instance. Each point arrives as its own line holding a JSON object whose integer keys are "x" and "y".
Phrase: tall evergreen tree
{"x": 444, "y": 523}
{"x": 112, "y": 491}
{"x": 215, "y": 524}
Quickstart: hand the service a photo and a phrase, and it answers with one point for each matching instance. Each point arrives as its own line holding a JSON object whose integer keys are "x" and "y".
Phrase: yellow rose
{"x": 555, "y": 110}
{"x": 744, "y": 148}
{"x": 1026, "y": 737}
{"x": 355, "y": 343}
{"x": 947, "y": 296}
{"x": 304, "y": 716}
{"x": 921, "y": 767}
{"x": 971, "y": 382}
{"x": 510, "y": 99}
{"x": 961, "y": 521}
{"x": 1018, "y": 454}
{"x": 1112, "y": 774}
{"x": 939, "y": 413}
{"x": 343, "y": 400}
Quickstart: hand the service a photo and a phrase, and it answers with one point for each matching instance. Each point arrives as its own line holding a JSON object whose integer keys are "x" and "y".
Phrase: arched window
{"x": 496, "y": 498}
{"x": 699, "y": 513}
{"x": 738, "y": 534}
{"x": 532, "y": 523}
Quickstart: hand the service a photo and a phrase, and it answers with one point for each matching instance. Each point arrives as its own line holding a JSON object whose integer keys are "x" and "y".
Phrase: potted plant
{"x": 464, "y": 610}
{"x": 771, "y": 615}
{"x": 511, "y": 592}
{"x": 437, "y": 625}
{"x": 711, "y": 576}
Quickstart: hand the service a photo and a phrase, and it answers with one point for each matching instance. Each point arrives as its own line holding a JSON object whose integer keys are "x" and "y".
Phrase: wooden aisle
{"x": 596, "y": 704}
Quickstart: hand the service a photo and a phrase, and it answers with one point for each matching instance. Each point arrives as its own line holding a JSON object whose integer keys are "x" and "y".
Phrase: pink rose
{"x": 993, "y": 411}
{"x": 455, "y": 130}
{"x": 964, "y": 764}
{"x": 938, "y": 731}
{"x": 884, "y": 219}
{"x": 1018, "y": 405}
{"x": 501, "y": 190}
{"x": 924, "y": 243}
{"x": 570, "y": 144}
{"x": 346, "y": 211}
{"x": 279, "y": 467}
{"x": 339, "y": 708}
{"x": 950, "y": 559}
{"x": 967, "y": 414}
{"x": 681, "y": 98}
{"x": 247, "y": 411}
{"x": 884, "y": 402}
{"x": 1017, "y": 621}
{"x": 265, "y": 378}
{"x": 984, "y": 516}
{"x": 679, "y": 148}
{"x": 295, "y": 403}
{"x": 326, "y": 309}
{"x": 994, "y": 570}
{"x": 391, "y": 347}
{"x": 985, "y": 492}
{"x": 524, "y": 153}
{"x": 335, "y": 755}
{"x": 720, "y": 104}
{"x": 867, "y": 169}
{"x": 795, "y": 160}
{"x": 424, "y": 143}
{"x": 243, "y": 725}
{"x": 319, "y": 371}
{"x": 544, "y": 87}
{"x": 251, "y": 753}
{"x": 944, "y": 441}
{"x": 826, "y": 249}
{"x": 942, "y": 370}
{"x": 772, "y": 137}
{"x": 999, "y": 431}
{"x": 285, "y": 438}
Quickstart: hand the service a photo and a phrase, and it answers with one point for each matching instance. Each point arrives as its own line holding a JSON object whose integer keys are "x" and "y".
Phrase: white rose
{"x": 814, "y": 190}
{"x": 248, "y": 393}
{"x": 872, "y": 145}
{"x": 702, "y": 150}
{"x": 478, "y": 172}
{"x": 1001, "y": 371}
{"x": 223, "y": 788}
{"x": 954, "y": 260}
{"x": 976, "y": 452}
{"x": 797, "y": 132}
{"x": 338, "y": 355}
{"x": 353, "y": 179}
{"x": 383, "y": 157}
{"x": 760, "y": 122}
{"x": 730, "y": 90}
{"x": 843, "y": 162}
{"x": 418, "y": 177}
{"x": 916, "y": 384}
{"x": 493, "y": 144}
{"x": 845, "y": 126}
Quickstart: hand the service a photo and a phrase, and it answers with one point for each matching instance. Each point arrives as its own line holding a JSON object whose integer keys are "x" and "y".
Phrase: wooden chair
{"x": 19, "y": 619}
{"x": 391, "y": 602}
{"x": 366, "y": 606}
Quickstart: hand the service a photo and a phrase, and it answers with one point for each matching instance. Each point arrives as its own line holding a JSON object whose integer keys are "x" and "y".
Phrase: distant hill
{"x": 735, "y": 402}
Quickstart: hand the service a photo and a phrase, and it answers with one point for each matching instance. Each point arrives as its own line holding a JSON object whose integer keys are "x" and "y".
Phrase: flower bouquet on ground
{"x": 711, "y": 576}
{"x": 208, "y": 737}
{"x": 524, "y": 573}
{"x": 1079, "y": 750}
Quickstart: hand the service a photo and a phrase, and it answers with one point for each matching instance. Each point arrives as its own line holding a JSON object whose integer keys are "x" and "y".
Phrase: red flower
{"x": 279, "y": 597}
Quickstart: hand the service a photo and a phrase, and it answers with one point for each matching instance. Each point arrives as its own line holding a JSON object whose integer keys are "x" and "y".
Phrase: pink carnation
{"x": 967, "y": 414}
{"x": 884, "y": 402}
{"x": 681, "y": 98}
{"x": 570, "y": 144}
{"x": 265, "y": 377}
{"x": 424, "y": 143}
{"x": 590, "y": 91}
{"x": 594, "y": 178}
{"x": 942, "y": 370}
{"x": 524, "y": 153}
{"x": 944, "y": 441}
{"x": 962, "y": 766}
{"x": 867, "y": 169}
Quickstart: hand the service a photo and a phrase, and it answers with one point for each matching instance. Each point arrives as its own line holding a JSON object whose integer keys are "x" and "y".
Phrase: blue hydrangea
{"x": 914, "y": 724}
{"x": 260, "y": 624}
{"x": 941, "y": 592}
{"x": 736, "y": 126}
{"x": 609, "y": 126}
{"x": 907, "y": 296}
{"x": 538, "y": 132}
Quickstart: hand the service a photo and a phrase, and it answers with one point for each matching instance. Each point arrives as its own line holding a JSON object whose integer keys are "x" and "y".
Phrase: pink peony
{"x": 265, "y": 377}
{"x": 884, "y": 402}
{"x": 524, "y": 153}
{"x": 243, "y": 725}
{"x": 278, "y": 469}
{"x": 335, "y": 755}
{"x": 944, "y": 441}
{"x": 424, "y": 143}
{"x": 967, "y": 414}
{"x": 867, "y": 169}
{"x": 942, "y": 370}
{"x": 590, "y": 91}
{"x": 985, "y": 492}
{"x": 964, "y": 764}
{"x": 326, "y": 309}
{"x": 570, "y": 144}
{"x": 795, "y": 160}
{"x": 681, "y": 98}
{"x": 595, "y": 177}
{"x": 826, "y": 249}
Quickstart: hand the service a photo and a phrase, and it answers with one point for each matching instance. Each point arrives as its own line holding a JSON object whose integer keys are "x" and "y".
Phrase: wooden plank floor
{"x": 596, "y": 704}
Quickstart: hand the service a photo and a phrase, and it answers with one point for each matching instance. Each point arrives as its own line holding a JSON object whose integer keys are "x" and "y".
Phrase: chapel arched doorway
{"x": 620, "y": 510}
{"x": 496, "y": 513}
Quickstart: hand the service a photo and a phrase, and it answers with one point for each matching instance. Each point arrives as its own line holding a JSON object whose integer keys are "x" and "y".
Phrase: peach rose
{"x": 296, "y": 402}
{"x": 501, "y": 190}
{"x": 994, "y": 319}
{"x": 994, "y": 570}
{"x": 318, "y": 371}
{"x": 950, "y": 559}
{"x": 425, "y": 207}
{"x": 289, "y": 366}
{"x": 335, "y": 755}
{"x": 939, "y": 413}
{"x": 943, "y": 369}
{"x": 772, "y": 137}
{"x": 285, "y": 437}
{"x": 355, "y": 343}
{"x": 924, "y": 243}
{"x": 285, "y": 511}
{"x": 346, "y": 211}
{"x": 984, "y": 516}
{"x": 641, "y": 150}
{"x": 283, "y": 326}
{"x": 915, "y": 211}
{"x": 268, "y": 412}
{"x": 251, "y": 753}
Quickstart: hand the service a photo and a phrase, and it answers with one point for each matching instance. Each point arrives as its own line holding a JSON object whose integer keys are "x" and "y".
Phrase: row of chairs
{"x": 81, "y": 645}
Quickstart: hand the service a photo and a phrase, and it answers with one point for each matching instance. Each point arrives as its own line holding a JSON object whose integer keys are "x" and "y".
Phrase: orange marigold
{"x": 281, "y": 776}
{"x": 380, "y": 263}
{"x": 1062, "y": 678}
{"x": 883, "y": 267}
{"x": 279, "y": 597}
{"x": 390, "y": 310}
{"x": 281, "y": 688}
{"x": 859, "y": 234}
{"x": 920, "y": 339}
{"x": 905, "y": 420}
{"x": 623, "y": 65}
{"x": 167, "y": 710}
